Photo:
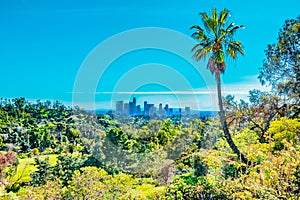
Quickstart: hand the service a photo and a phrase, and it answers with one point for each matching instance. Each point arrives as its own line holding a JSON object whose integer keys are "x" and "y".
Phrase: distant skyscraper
{"x": 187, "y": 110}
{"x": 132, "y": 107}
{"x": 166, "y": 110}
{"x": 119, "y": 107}
{"x": 148, "y": 109}
{"x": 126, "y": 109}
{"x": 160, "y": 110}
{"x": 152, "y": 109}
{"x": 170, "y": 112}
{"x": 138, "y": 110}
{"x": 145, "y": 107}
{"x": 160, "y": 106}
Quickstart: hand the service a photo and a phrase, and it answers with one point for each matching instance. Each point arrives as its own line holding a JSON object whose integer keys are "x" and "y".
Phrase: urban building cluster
{"x": 132, "y": 109}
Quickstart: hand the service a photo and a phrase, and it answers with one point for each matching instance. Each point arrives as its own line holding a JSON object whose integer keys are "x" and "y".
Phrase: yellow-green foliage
{"x": 26, "y": 167}
{"x": 51, "y": 190}
{"x": 247, "y": 141}
{"x": 284, "y": 132}
{"x": 273, "y": 174}
{"x": 95, "y": 183}
{"x": 275, "y": 178}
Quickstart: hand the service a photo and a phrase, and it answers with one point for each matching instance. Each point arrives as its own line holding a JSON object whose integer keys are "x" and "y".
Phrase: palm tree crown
{"x": 216, "y": 40}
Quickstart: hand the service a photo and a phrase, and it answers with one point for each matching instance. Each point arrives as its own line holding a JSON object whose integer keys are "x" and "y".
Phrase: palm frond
{"x": 230, "y": 26}
{"x": 199, "y": 35}
{"x": 212, "y": 25}
{"x": 222, "y": 33}
{"x": 204, "y": 15}
{"x": 223, "y": 16}
{"x": 209, "y": 24}
{"x": 231, "y": 31}
{"x": 231, "y": 53}
{"x": 197, "y": 46}
{"x": 233, "y": 48}
{"x": 214, "y": 15}
{"x": 196, "y": 27}
{"x": 201, "y": 51}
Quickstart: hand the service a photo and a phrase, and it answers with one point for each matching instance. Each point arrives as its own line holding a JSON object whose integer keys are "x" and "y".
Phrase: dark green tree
{"x": 281, "y": 68}
{"x": 66, "y": 165}
{"x": 44, "y": 172}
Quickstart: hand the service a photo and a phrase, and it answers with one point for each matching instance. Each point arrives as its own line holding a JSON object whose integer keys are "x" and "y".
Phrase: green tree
{"x": 216, "y": 40}
{"x": 44, "y": 172}
{"x": 281, "y": 68}
{"x": 66, "y": 165}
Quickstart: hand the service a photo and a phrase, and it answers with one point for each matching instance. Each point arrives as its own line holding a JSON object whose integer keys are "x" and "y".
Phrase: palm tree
{"x": 216, "y": 40}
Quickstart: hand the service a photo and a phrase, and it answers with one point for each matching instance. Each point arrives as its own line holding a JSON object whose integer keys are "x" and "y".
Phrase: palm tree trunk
{"x": 224, "y": 123}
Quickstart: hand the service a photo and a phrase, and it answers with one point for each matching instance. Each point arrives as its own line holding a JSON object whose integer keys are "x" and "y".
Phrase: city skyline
{"x": 149, "y": 109}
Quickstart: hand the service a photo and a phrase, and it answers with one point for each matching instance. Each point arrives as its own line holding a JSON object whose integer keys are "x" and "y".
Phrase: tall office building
{"x": 152, "y": 109}
{"x": 160, "y": 110}
{"x": 170, "y": 113}
{"x": 126, "y": 109}
{"x": 187, "y": 110}
{"x": 148, "y": 109}
{"x": 138, "y": 110}
{"x": 132, "y": 107}
{"x": 134, "y": 101}
{"x": 160, "y": 106}
{"x": 166, "y": 108}
{"x": 145, "y": 107}
{"x": 119, "y": 107}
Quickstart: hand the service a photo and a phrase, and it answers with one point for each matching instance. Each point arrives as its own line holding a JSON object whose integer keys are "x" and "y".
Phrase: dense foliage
{"x": 189, "y": 160}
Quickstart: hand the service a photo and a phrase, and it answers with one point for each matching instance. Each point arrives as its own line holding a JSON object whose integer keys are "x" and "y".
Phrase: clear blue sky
{"x": 44, "y": 42}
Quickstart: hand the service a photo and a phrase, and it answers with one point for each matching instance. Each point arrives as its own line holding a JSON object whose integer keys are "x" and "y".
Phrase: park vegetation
{"x": 250, "y": 151}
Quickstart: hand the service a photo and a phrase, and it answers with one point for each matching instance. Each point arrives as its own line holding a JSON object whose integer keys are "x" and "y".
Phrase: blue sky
{"x": 44, "y": 45}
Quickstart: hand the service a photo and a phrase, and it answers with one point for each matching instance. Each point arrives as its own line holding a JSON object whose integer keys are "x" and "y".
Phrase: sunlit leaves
{"x": 284, "y": 132}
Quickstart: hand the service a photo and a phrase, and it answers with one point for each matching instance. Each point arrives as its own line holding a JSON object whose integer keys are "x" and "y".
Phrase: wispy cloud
{"x": 157, "y": 92}
{"x": 243, "y": 87}
{"x": 173, "y": 92}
